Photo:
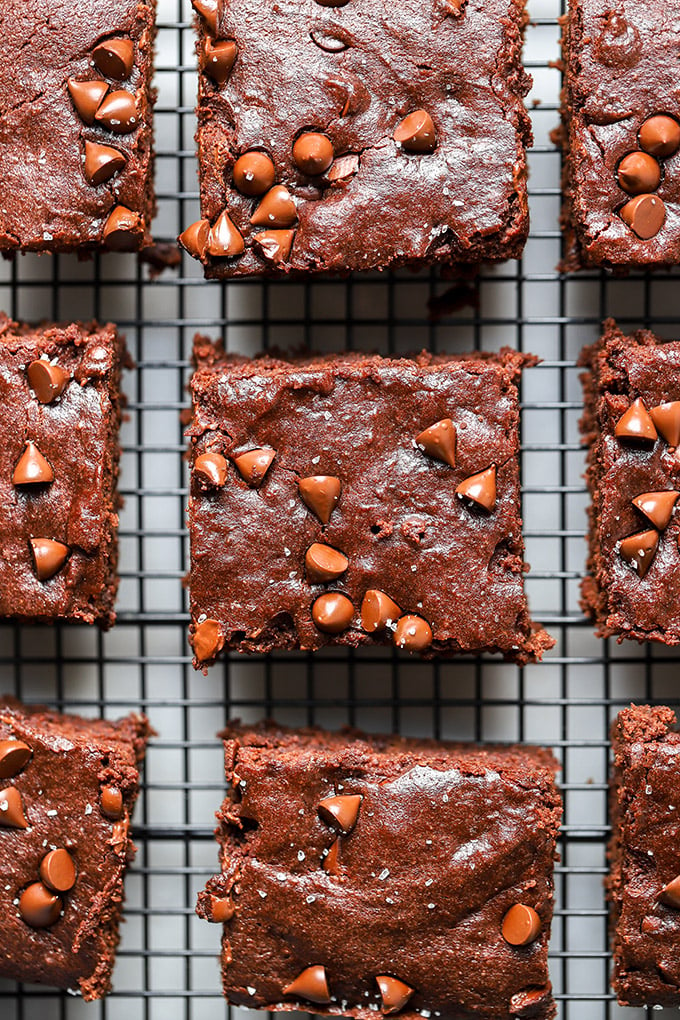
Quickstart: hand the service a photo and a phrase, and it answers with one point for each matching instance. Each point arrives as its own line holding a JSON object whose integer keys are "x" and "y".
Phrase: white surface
{"x": 167, "y": 965}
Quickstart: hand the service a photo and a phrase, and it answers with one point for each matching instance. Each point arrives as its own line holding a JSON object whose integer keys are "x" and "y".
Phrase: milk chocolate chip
{"x": 39, "y": 906}
{"x": 660, "y": 135}
{"x": 666, "y": 417}
{"x": 378, "y": 611}
{"x": 311, "y": 984}
{"x": 639, "y": 550}
{"x": 49, "y": 557}
{"x": 58, "y": 871}
{"x": 636, "y": 424}
{"x": 254, "y": 173}
{"x": 332, "y": 612}
{"x": 102, "y": 162}
{"x": 208, "y": 640}
{"x": 47, "y": 381}
{"x": 211, "y": 470}
{"x": 14, "y": 754}
{"x": 341, "y": 811}
{"x": 118, "y": 112}
{"x": 115, "y": 58}
{"x": 638, "y": 173}
{"x": 657, "y": 506}
{"x": 413, "y": 633}
{"x": 324, "y": 564}
{"x": 394, "y": 993}
{"x": 416, "y": 133}
{"x": 645, "y": 215}
{"x": 32, "y": 468}
{"x": 321, "y": 494}
{"x": 219, "y": 59}
{"x": 521, "y": 925}
{"x": 313, "y": 153}
{"x": 87, "y": 97}
{"x": 439, "y": 441}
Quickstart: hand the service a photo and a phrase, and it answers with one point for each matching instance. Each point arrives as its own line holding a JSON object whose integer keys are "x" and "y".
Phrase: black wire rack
{"x": 167, "y": 964}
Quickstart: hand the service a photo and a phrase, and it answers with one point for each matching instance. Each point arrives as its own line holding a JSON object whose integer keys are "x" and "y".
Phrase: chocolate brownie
{"x": 621, "y": 135}
{"x": 644, "y": 882}
{"x": 632, "y": 426}
{"x": 60, "y": 410}
{"x": 366, "y": 873}
{"x": 76, "y": 105}
{"x": 354, "y": 499}
{"x": 359, "y": 134}
{"x": 68, "y": 789}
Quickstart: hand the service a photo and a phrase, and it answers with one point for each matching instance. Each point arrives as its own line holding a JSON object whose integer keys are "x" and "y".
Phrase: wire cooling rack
{"x": 167, "y": 966}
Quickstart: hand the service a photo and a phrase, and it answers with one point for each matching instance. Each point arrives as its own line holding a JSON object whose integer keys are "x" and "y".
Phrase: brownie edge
{"x": 334, "y": 845}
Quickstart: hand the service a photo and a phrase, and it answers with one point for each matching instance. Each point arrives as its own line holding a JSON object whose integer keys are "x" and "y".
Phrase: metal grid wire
{"x": 167, "y": 964}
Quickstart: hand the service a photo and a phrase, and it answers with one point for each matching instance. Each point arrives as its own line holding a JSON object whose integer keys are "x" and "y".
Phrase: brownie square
{"x": 68, "y": 789}
{"x": 644, "y": 882}
{"x": 354, "y": 499}
{"x": 359, "y": 135}
{"x": 60, "y": 410}
{"x": 362, "y": 873}
{"x": 76, "y": 106}
{"x": 620, "y": 135}
{"x": 632, "y": 427}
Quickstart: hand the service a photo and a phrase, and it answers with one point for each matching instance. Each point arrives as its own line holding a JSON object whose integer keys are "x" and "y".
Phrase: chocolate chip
{"x": 331, "y": 862}
{"x": 657, "y": 506}
{"x": 332, "y": 3}
{"x": 639, "y": 550}
{"x": 413, "y": 634}
{"x": 253, "y": 465}
{"x": 118, "y": 112}
{"x": 439, "y": 441}
{"x": 666, "y": 417}
{"x": 58, "y": 871}
{"x": 636, "y": 424}
{"x": 332, "y": 612}
{"x": 341, "y": 811}
{"x": 638, "y": 173}
{"x": 660, "y": 135}
{"x": 39, "y": 907}
{"x": 313, "y": 153}
{"x": 343, "y": 169}
{"x": 645, "y": 215}
{"x": 521, "y": 925}
{"x": 47, "y": 381}
{"x": 531, "y": 1002}
{"x": 122, "y": 230}
{"x": 208, "y": 640}
{"x": 480, "y": 489}
{"x": 210, "y": 469}
{"x": 12, "y": 814}
{"x": 378, "y": 611}
{"x": 111, "y": 799}
{"x": 219, "y": 59}
{"x": 670, "y": 894}
{"x": 207, "y": 9}
{"x": 194, "y": 239}
{"x": 254, "y": 173}
{"x": 311, "y": 983}
{"x": 221, "y": 909}
{"x": 274, "y": 245}
{"x": 394, "y": 993}
{"x": 14, "y": 754}
{"x": 324, "y": 564}
{"x": 87, "y": 97}
{"x": 416, "y": 133}
{"x": 102, "y": 162}
{"x": 49, "y": 557}
{"x": 32, "y": 468}
{"x": 277, "y": 209}
{"x": 224, "y": 240}
{"x": 321, "y": 494}
{"x": 115, "y": 58}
